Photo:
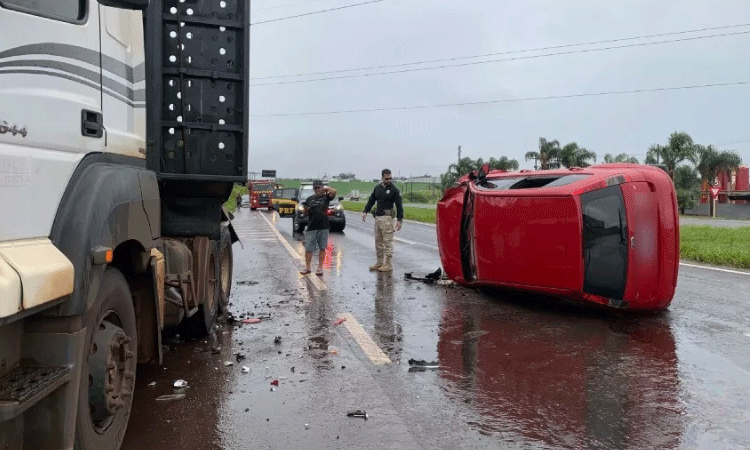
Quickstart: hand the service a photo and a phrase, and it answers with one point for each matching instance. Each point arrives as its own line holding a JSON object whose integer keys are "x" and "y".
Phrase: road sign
{"x": 268, "y": 173}
{"x": 715, "y": 191}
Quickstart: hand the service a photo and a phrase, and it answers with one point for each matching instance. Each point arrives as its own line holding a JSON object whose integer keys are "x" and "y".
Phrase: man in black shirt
{"x": 386, "y": 195}
{"x": 316, "y": 233}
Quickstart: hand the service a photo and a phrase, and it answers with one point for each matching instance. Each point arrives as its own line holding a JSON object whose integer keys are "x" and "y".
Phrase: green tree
{"x": 687, "y": 184}
{"x": 709, "y": 161}
{"x": 621, "y": 158}
{"x": 571, "y": 155}
{"x": 679, "y": 148}
{"x": 547, "y": 155}
{"x": 503, "y": 164}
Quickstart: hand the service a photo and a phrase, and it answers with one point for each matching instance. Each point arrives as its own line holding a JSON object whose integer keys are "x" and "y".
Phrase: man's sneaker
{"x": 385, "y": 268}
{"x": 376, "y": 266}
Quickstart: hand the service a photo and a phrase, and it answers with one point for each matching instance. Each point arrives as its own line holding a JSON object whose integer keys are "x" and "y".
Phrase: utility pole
{"x": 459, "y": 155}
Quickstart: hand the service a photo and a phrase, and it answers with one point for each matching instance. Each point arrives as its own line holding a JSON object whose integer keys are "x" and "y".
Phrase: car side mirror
{"x": 483, "y": 171}
{"x": 341, "y": 198}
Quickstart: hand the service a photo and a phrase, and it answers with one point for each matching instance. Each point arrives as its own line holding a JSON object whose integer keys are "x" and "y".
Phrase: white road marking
{"x": 371, "y": 349}
{"x": 313, "y": 278}
{"x": 403, "y": 240}
{"x": 715, "y": 268}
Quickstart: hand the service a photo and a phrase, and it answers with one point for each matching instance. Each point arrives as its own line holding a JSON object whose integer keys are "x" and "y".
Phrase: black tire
{"x": 226, "y": 266}
{"x": 111, "y": 314}
{"x": 203, "y": 321}
{"x": 253, "y": 209}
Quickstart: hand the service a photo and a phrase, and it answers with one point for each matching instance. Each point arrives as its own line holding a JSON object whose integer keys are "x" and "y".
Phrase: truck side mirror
{"x": 341, "y": 198}
{"x": 125, "y": 4}
{"x": 294, "y": 199}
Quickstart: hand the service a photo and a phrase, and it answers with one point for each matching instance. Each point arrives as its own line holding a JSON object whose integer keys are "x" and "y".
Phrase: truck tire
{"x": 296, "y": 226}
{"x": 201, "y": 323}
{"x": 111, "y": 339}
{"x": 226, "y": 265}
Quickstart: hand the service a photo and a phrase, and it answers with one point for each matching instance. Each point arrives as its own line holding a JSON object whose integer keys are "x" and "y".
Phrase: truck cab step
{"x": 24, "y": 386}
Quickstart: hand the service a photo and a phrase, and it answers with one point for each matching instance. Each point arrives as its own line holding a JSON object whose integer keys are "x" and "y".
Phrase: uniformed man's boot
{"x": 377, "y": 265}
{"x": 386, "y": 266}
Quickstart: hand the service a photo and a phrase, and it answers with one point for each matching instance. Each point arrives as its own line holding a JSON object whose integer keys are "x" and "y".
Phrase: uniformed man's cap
{"x": 317, "y": 183}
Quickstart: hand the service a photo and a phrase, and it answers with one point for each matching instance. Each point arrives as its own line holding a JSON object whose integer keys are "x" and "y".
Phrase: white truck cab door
{"x": 50, "y": 107}
{"x": 123, "y": 80}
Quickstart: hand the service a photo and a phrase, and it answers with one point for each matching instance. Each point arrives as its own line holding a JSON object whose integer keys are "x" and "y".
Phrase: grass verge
{"x": 706, "y": 244}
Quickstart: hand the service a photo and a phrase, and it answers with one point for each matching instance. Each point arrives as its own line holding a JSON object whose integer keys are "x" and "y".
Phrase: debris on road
{"x": 180, "y": 384}
{"x": 170, "y": 397}
{"x": 419, "y": 365}
{"x": 239, "y": 356}
{"x": 228, "y": 363}
{"x": 152, "y": 384}
{"x": 275, "y": 383}
{"x": 430, "y": 278}
{"x": 277, "y": 340}
{"x": 245, "y": 369}
{"x": 339, "y": 321}
{"x": 252, "y": 320}
{"x": 247, "y": 282}
{"x": 357, "y": 413}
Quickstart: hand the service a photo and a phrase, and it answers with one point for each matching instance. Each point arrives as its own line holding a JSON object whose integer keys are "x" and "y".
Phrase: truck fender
{"x": 110, "y": 199}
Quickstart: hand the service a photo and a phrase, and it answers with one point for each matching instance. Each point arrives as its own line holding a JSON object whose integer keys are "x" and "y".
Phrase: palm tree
{"x": 621, "y": 158}
{"x": 687, "y": 187}
{"x": 503, "y": 163}
{"x": 548, "y": 154}
{"x": 574, "y": 156}
{"x": 457, "y": 170}
{"x": 710, "y": 161}
{"x": 679, "y": 148}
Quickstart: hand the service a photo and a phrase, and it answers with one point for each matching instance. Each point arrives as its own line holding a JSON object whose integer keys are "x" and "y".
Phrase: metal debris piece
{"x": 357, "y": 413}
{"x": 245, "y": 369}
{"x": 228, "y": 363}
{"x": 180, "y": 384}
{"x": 170, "y": 397}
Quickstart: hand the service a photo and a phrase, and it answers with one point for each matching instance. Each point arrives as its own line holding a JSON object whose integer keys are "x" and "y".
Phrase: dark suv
{"x": 336, "y": 215}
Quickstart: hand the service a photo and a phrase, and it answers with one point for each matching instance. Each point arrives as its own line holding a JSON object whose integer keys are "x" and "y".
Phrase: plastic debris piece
{"x": 170, "y": 397}
{"x": 245, "y": 369}
{"x": 239, "y": 356}
{"x": 275, "y": 383}
{"x": 423, "y": 363}
{"x": 277, "y": 340}
{"x": 307, "y": 425}
{"x": 180, "y": 384}
{"x": 152, "y": 384}
{"x": 228, "y": 363}
{"x": 357, "y": 413}
{"x": 339, "y": 321}
{"x": 251, "y": 320}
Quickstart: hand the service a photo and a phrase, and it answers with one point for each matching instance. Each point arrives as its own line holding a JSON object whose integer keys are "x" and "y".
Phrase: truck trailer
{"x": 123, "y": 128}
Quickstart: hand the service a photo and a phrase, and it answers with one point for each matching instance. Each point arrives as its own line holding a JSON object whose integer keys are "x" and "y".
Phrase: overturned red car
{"x": 605, "y": 235}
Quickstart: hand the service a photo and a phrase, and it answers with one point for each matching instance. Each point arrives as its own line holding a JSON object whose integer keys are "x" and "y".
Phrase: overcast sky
{"x": 418, "y": 141}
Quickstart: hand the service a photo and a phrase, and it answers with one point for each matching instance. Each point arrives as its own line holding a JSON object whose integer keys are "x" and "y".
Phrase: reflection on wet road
{"x": 513, "y": 371}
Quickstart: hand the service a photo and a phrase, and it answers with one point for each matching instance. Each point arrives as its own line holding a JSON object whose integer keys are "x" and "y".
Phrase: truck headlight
{"x": 338, "y": 208}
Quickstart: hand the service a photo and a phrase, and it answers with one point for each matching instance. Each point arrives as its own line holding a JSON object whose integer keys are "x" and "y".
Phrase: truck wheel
{"x": 202, "y": 322}
{"x": 108, "y": 368}
{"x": 226, "y": 264}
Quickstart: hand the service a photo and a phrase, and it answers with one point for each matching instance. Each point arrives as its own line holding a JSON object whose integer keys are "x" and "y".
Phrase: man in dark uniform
{"x": 386, "y": 195}
{"x": 316, "y": 233}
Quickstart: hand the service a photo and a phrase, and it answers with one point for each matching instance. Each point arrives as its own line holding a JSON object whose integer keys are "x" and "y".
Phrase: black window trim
{"x": 34, "y": 12}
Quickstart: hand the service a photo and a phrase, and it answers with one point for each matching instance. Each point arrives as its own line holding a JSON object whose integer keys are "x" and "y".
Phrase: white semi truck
{"x": 123, "y": 128}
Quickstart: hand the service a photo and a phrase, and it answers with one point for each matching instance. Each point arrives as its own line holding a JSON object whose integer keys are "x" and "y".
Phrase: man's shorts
{"x": 316, "y": 240}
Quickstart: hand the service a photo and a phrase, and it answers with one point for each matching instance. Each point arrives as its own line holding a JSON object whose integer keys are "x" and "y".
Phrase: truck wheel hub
{"x": 111, "y": 373}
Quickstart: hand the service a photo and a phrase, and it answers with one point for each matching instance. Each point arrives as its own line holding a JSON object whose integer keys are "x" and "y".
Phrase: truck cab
{"x": 123, "y": 126}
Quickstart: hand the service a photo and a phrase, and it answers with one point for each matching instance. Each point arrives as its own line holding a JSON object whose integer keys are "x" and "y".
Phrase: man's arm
{"x": 369, "y": 204}
{"x": 399, "y": 210}
{"x": 331, "y": 192}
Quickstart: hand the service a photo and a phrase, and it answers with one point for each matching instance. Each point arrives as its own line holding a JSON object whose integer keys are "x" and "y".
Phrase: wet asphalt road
{"x": 515, "y": 371}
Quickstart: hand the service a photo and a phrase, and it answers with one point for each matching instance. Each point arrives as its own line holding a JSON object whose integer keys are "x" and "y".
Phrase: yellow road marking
{"x": 371, "y": 349}
{"x": 313, "y": 278}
